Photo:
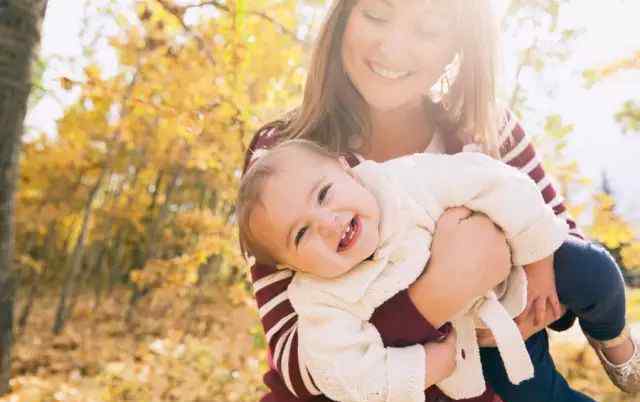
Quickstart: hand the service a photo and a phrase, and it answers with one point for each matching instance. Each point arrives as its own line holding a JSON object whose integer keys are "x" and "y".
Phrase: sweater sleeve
{"x": 508, "y": 197}
{"x": 346, "y": 354}
{"x": 518, "y": 151}
{"x": 279, "y": 319}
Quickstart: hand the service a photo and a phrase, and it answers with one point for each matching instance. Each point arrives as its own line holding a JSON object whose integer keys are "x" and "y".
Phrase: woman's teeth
{"x": 389, "y": 74}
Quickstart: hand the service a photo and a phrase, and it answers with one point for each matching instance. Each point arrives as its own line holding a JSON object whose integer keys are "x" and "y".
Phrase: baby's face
{"x": 316, "y": 217}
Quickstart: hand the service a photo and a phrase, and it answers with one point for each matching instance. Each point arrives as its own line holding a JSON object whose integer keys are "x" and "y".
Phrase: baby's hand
{"x": 541, "y": 291}
{"x": 441, "y": 358}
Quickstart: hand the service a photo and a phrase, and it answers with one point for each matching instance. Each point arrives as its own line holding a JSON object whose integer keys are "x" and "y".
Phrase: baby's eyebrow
{"x": 314, "y": 188}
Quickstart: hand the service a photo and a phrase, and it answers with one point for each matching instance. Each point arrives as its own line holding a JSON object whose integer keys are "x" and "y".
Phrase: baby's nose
{"x": 329, "y": 224}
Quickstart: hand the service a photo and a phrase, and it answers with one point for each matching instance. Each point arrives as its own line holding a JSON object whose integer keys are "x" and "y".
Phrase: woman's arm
{"x": 465, "y": 245}
{"x": 518, "y": 151}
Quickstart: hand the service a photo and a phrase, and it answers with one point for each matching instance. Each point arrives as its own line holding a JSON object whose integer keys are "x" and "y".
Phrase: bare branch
{"x": 178, "y": 12}
{"x": 223, "y": 7}
{"x": 526, "y": 60}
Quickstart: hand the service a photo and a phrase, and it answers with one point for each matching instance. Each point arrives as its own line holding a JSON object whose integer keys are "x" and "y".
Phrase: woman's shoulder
{"x": 277, "y": 131}
{"x": 265, "y": 137}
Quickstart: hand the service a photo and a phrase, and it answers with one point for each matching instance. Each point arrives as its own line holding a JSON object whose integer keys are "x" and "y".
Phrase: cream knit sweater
{"x": 344, "y": 351}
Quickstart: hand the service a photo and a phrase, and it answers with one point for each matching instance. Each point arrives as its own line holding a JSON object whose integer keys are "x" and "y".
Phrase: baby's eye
{"x": 299, "y": 235}
{"x": 323, "y": 193}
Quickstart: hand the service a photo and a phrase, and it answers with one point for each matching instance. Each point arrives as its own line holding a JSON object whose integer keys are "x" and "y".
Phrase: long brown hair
{"x": 333, "y": 110}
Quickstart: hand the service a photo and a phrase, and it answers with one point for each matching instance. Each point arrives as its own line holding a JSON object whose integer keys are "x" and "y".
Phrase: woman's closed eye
{"x": 375, "y": 16}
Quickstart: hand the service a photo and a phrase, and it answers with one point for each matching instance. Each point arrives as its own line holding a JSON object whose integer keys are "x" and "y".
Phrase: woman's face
{"x": 394, "y": 50}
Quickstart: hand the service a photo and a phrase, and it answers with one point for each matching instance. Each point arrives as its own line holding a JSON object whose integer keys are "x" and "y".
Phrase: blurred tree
{"x": 138, "y": 185}
{"x": 608, "y": 227}
{"x": 20, "y": 23}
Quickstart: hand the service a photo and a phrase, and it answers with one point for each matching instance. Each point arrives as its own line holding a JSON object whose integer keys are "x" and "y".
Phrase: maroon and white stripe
{"x": 517, "y": 151}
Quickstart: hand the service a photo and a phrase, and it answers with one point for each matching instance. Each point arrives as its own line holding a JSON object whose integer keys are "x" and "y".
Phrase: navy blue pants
{"x": 590, "y": 285}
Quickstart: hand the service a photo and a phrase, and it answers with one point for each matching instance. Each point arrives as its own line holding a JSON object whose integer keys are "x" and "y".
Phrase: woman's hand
{"x": 469, "y": 256}
{"x": 441, "y": 359}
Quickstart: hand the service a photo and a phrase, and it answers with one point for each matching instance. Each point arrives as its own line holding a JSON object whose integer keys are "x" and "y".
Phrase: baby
{"x": 357, "y": 236}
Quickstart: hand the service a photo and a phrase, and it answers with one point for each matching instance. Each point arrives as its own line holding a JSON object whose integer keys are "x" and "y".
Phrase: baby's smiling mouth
{"x": 350, "y": 234}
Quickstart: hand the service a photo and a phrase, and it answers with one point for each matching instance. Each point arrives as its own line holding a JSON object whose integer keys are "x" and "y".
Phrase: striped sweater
{"x": 270, "y": 285}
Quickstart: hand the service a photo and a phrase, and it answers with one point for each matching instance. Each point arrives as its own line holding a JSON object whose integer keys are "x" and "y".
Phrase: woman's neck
{"x": 398, "y": 132}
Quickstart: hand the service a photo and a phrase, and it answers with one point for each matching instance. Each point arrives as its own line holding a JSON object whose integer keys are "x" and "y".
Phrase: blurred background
{"x": 129, "y": 283}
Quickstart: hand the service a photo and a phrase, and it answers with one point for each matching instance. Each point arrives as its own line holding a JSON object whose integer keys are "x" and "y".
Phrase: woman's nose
{"x": 393, "y": 44}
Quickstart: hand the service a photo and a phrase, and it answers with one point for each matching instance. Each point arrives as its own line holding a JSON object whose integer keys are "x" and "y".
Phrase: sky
{"x": 611, "y": 31}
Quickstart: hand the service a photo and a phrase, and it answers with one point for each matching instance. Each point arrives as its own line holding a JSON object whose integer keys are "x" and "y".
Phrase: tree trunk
{"x": 76, "y": 261}
{"x": 83, "y": 277}
{"x": 20, "y": 22}
{"x": 48, "y": 252}
{"x": 116, "y": 261}
{"x": 151, "y": 247}
{"x": 98, "y": 276}
{"x": 28, "y": 305}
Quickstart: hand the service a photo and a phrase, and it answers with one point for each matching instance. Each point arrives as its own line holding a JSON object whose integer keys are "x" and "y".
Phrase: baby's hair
{"x": 262, "y": 166}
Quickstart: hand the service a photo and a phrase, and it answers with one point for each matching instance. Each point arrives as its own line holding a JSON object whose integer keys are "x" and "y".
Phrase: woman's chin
{"x": 387, "y": 105}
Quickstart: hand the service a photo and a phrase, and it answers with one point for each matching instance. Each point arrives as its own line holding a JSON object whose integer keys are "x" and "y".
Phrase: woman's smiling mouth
{"x": 387, "y": 73}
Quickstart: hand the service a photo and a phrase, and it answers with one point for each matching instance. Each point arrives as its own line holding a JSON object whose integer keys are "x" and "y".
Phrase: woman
{"x": 376, "y": 90}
